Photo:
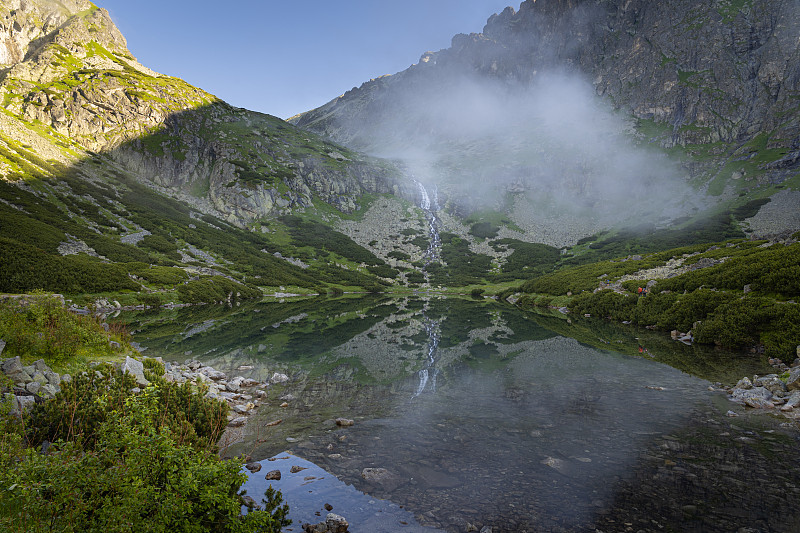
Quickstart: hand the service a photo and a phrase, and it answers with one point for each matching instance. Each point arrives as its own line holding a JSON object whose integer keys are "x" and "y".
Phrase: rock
{"x": 49, "y": 391}
{"x": 770, "y": 382}
{"x": 382, "y": 477}
{"x": 274, "y": 475}
{"x": 793, "y": 402}
{"x": 33, "y": 387}
{"x": 759, "y": 403}
{"x": 732, "y": 414}
{"x": 12, "y": 367}
{"x": 744, "y": 383}
{"x": 136, "y": 369}
{"x": 3, "y": 346}
{"x": 26, "y": 403}
{"x": 253, "y": 467}
{"x": 328, "y": 507}
{"x": 486, "y": 529}
{"x": 278, "y": 378}
{"x": 295, "y": 469}
{"x": 215, "y": 375}
{"x": 52, "y": 378}
{"x": 344, "y": 422}
{"x": 249, "y": 502}
{"x": 41, "y": 366}
{"x": 336, "y": 523}
{"x": 237, "y": 422}
{"x": 757, "y": 395}
{"x": 243, "y": 409}
{"x": 793, "y": 383}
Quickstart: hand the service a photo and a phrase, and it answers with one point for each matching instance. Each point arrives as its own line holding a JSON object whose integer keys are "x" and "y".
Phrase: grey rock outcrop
{"x": 731, "y": 74}
{"x": 793, "y": 383}
{"x": 30, "y": 382}
{"x": 135, "y": 368}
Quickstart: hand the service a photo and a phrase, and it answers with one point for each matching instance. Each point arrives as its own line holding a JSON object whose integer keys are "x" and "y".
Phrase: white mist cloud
{"x": 552, "y": 141}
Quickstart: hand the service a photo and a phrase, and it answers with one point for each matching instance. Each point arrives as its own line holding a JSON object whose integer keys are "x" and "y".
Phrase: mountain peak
{"x": 42, "y": 40}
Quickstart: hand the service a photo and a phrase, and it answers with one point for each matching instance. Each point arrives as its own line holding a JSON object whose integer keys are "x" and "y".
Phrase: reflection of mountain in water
{"x": 382, "y": 338}
{"x": 527, "y": 429}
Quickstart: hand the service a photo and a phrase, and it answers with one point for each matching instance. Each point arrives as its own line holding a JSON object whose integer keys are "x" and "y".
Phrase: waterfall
{"x": 429, "y": 203}
{"x": 429, "y": 372}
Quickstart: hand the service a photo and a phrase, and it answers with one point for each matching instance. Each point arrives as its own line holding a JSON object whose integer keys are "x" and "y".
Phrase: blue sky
{"x": 285, "y": 57}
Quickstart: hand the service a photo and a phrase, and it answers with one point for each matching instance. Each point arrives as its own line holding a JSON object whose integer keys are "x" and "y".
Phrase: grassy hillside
{"x": 736, "y": 293}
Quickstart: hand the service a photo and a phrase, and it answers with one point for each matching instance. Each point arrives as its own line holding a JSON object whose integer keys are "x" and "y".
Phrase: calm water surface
{"x": 470, "y": 414}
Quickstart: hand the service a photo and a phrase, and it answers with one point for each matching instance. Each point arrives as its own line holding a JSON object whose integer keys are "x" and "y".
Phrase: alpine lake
{"x": 472, "y": 415}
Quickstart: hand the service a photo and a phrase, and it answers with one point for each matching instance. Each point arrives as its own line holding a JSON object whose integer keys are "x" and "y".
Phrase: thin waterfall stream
{"x": 430, "y": 371}
{"x": 430, "y": 205}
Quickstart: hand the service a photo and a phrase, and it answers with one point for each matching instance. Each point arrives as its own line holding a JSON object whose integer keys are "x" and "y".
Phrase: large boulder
{"x": 758, "y": 397}
{"x": 136, "y": 369}
{"x": 12, "y": 367}
{"x": 793, "y": 383}
{"x": 336, "y": 523}
{"x": 771, "y": 382}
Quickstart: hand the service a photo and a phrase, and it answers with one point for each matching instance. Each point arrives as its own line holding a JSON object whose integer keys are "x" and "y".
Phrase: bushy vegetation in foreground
{"x": 38, "y": 327}
{"x": 747, "y": 299}
{"x": 100, "y": 457}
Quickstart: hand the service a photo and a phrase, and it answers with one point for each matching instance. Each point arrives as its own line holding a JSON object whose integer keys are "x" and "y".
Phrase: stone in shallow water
{"x": 238, "y": 422}
{"x": 336, "y": 523}
{"x": 273, "y": 475}
{"x": 754, "y": 395}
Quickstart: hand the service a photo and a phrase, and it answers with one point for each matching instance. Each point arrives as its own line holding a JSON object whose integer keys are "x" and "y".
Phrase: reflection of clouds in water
{"x": 544, "y": 437}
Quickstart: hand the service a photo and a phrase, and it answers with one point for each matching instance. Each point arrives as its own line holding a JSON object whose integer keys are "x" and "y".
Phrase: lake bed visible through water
{"x": 469, "y": 414}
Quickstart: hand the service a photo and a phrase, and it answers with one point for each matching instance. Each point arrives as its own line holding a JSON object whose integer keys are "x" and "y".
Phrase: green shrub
{"x": 137, "y": 477}
{"x": 415, "y": 277}
{"x": 402, "y": 256}
{"x": 84, "y": 404}
{"x": 39, "y": 326}
{"x": 215, "y": 289}
{"x": 484, "y": 230}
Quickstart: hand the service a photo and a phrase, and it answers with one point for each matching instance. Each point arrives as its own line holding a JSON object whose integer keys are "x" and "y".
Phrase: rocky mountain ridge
{"x": 734, "y": 71}
{"x": 715, "y": 85}
{"x": 70, "y": 79}
{"x": 115, "y": 177}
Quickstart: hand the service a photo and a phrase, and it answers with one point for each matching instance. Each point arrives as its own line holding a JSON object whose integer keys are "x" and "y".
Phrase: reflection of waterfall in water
{"x": 430, "y": 205}
{"x": 429, "y": 372}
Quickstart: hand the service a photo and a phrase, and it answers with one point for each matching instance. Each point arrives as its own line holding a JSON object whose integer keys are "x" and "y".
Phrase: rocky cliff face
{"x": 70, "y": 88}
{"x": 716, "y": 81}
{"x": 714, "y": 70}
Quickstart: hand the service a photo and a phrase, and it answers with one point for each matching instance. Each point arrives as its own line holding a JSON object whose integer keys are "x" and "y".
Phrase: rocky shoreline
{"x": 37, "y": 382}
{"x": 773, "y": 392}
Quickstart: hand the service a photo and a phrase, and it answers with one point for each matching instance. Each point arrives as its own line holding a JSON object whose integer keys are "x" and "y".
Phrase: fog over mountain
{"x": 551, "y": 141}
{"x": 574, "y": 106}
